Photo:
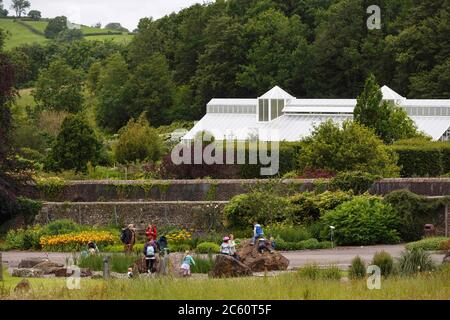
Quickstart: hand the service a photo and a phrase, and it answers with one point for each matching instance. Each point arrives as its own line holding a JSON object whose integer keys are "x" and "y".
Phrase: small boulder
{"x": 31, "y": 262}
{"x": 27, "y": 273}
{"x": 446, "y": 258}
{"x": 226, "y": 266}
{"x": 48, "y": 267}
{"x": 260, "y": 262}
{"x": 23, "y": 286}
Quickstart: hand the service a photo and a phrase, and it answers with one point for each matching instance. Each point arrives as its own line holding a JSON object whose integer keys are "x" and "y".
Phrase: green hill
{"x": 25, "y": 32}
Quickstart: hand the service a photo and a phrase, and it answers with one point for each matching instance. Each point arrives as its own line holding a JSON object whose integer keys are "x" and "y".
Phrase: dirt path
{"x": 340, "y": 256}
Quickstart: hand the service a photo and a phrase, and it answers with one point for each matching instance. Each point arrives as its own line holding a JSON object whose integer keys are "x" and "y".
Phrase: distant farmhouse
{"x": 278, "y": 116}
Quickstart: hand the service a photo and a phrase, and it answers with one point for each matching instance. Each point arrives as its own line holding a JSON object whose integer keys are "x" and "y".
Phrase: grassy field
{"x": 284, "y": 287}
{"x": 19, "y": 34}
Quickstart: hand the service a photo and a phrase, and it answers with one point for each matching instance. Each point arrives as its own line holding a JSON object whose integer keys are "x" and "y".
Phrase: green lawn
{"x": 284, "y": 287}
{"x": 19, "y": 35}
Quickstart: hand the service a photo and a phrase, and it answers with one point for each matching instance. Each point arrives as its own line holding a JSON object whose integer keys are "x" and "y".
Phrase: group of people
{"x": 154, "y": 245}
{"x": 263, "y": 243}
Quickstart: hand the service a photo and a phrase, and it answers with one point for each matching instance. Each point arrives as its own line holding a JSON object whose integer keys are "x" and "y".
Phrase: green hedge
{"x": 429, "y": 244}
{"x": 421, "y": 160}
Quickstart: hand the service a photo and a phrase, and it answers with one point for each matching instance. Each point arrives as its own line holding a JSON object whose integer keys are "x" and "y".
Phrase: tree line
{"x": 241, "y": 48}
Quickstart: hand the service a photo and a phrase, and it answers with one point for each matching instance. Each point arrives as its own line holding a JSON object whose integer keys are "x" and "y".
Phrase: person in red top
{"x": 151, "y": 232}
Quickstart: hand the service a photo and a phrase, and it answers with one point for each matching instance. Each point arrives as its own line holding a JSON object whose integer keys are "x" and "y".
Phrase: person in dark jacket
{"x": 128, "y": 238}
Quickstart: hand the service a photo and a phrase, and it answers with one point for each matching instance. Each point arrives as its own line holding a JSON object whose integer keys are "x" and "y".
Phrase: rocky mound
{"x": 226, "y": 266}
{"x": 260, "y": 262}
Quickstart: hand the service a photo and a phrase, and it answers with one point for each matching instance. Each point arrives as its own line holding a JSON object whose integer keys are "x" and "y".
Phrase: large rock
{"x": 27, "y": 273}
{"x": 260, "y": 262}
{"x": 65, "y": 272}
{"x": 226, "y": 266}
{"x": 31, "y": 262}
{"x": 48, "y": 267}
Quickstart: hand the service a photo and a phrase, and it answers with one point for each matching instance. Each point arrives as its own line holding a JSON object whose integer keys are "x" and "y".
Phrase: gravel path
{"x": 340, "y": 256}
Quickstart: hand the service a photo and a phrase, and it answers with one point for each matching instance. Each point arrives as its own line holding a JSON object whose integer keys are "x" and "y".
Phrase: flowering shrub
{"x": 76, "y": 241}
{"x": 179, "y": 236}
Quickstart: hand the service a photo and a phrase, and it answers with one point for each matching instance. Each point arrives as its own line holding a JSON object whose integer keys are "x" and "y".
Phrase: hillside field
{"x": 18, "y": 34}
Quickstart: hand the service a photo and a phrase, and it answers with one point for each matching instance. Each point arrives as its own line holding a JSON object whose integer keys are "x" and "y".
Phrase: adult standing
{"x": 150, "y": 255}
{"x": 151, "y": 232}
{"x": 128, "y": 238}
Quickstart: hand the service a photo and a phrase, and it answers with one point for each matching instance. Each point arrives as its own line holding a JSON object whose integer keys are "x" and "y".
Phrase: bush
{"x": 308, "y": 207}
{"x": 356, "y": 181}
{"x": 29, "y": 208}
{"x": 428, "y": 244}
{"x": 208, "y": 247}
{"x": 414, "y": 261}
{"x": 363, "y": 220}
{"x": 385, "y": 262}
{"x": 62, "y": 226}
{"x": 357, "y": 268}
{"x": 413, "y": 211}
{"x": 138, "y": 142}
{"x": 288, "y": 233}
{"x": 24, "y": 239}
{"x": 180, "y": 247}
{"x": 243, "y": 210}
{"x": 347, "y": 147}
{"x": 445, "y": 245}
{"x": 314, "y": 272}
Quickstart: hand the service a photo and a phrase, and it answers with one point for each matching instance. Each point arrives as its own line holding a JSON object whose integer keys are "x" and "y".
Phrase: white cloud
{"x": 127, "y": 12}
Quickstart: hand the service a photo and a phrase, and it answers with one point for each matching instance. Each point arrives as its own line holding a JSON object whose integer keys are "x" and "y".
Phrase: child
{"x": 150, "y": 257}
{"x": 272, "y": 242}
{"x": 225, "y": 247}
{"x": 257, "y": 232}
{"x": 130, "y": 273}
{"x": 186, "y": 264}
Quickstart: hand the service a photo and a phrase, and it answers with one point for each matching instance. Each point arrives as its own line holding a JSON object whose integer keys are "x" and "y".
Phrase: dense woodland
{"x": 85, "y": 94}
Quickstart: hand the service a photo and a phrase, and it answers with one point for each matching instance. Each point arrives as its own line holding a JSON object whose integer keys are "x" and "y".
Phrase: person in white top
{"x": 225, "y": 247}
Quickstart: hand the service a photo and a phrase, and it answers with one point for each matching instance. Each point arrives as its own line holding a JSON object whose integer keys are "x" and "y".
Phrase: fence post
{"x": 106, "y": 268}
{"x": 446, "y": 220}
{"x": 1, "y": 267}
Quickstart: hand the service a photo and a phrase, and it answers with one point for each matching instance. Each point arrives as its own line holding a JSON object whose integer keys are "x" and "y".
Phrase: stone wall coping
{"x": 231, "y": 181}
{"x": 132, "y": 203}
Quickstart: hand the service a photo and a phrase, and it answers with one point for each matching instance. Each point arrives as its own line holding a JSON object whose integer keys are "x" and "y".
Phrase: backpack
{"x": 150, "y": 251}
{"x": 259, "y": 230}
{"x": 123, "y": 236}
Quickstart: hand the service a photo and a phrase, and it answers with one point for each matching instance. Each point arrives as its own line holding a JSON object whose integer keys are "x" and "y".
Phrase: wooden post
{"x": 106, "y": 268}
{"x": 1, "y": 267}
{"x": 447, "y": 214}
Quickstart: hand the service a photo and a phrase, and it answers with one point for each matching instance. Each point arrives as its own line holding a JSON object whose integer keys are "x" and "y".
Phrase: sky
{"x": 89, "y": 12}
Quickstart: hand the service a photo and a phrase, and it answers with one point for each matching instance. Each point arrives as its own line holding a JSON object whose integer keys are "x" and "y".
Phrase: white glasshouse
{"x": 278, "y": 116}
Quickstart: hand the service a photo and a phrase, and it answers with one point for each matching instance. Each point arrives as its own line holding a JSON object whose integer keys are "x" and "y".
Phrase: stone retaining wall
{"x": 211, "y": 190}
{"x": 180, "y": 214}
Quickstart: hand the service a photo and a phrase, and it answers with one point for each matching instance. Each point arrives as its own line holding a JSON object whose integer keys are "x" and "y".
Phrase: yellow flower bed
{"x": 179, "y": 236}
{"x": 75, "y": 241}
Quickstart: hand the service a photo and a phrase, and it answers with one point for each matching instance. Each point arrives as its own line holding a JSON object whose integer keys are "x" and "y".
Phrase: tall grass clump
{"x": 385, "y": 262}
{"x": 415, "y": 261}
{"x": 118, "y": 262}
{"x": 314, "y": 272}
{"x": 202, "y": 264}
{"x": 357, "y": 269}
